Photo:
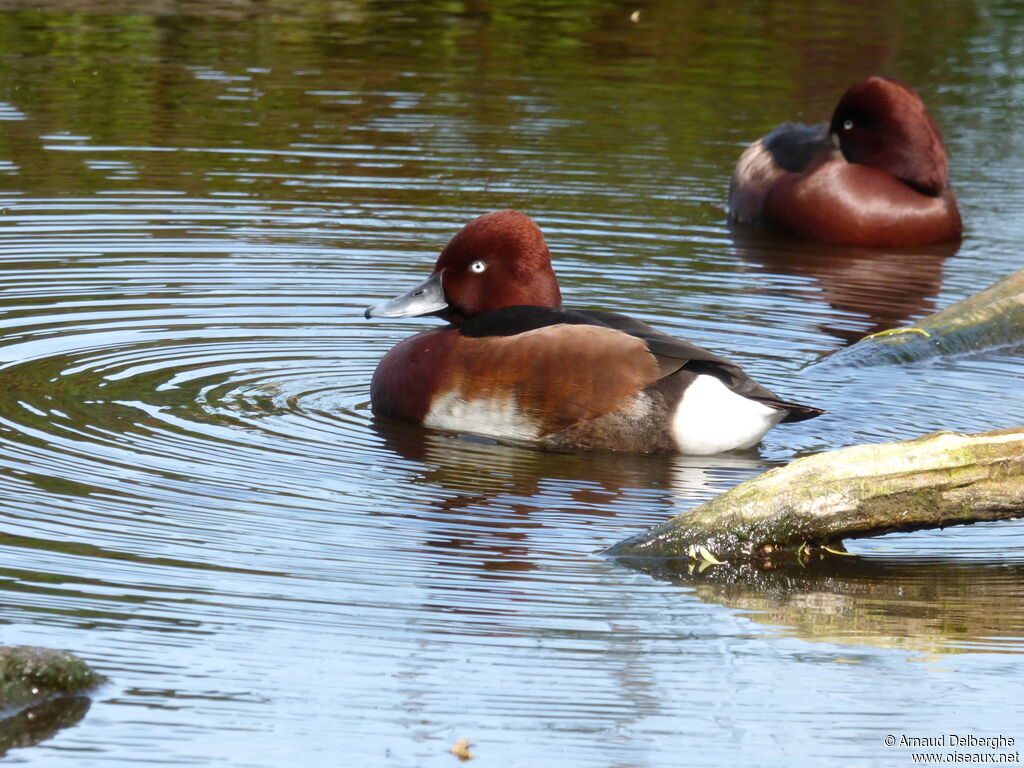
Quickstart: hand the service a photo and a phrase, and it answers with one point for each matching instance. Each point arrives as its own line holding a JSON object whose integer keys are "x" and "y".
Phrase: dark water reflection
{"x": 924, "y": 605}
{"x": 869, "y": 289}
{"x": 39, "y": 722}
{"x": 198, "y": 199}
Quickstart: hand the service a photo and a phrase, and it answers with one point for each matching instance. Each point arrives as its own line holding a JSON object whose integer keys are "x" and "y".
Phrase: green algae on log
{"x": 29, "y": 675}
{"x": 993, "y": 317}
{"x": 815, "y": 502}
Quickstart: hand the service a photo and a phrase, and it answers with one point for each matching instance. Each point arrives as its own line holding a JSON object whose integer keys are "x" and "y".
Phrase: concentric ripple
{"x": 175, "y": 372}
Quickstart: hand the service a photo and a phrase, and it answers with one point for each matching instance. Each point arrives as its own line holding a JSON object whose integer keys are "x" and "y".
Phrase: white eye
{"x": 847, "y": 125}
{"x": 477, "y": 266}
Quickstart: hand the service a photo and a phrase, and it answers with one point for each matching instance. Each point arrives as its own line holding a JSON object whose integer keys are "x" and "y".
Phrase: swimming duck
{"x": 875, "y": 175}
{"x": 515, "y": 365}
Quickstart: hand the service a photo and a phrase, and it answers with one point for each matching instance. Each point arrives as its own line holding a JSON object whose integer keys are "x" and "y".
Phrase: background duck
{"x": 513, "y": 364}
{"x": 875, "y": 175}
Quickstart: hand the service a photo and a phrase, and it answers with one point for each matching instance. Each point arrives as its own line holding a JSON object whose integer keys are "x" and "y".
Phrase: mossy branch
{"x": 816, "y": 502}
{"x": 993, "y": 317}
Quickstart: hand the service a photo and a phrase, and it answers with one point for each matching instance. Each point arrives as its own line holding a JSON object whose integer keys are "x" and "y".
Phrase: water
{"x": 198, "y": 201}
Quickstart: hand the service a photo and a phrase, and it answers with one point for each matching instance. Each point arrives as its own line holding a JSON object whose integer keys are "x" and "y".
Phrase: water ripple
{"x": 187, "y": 455}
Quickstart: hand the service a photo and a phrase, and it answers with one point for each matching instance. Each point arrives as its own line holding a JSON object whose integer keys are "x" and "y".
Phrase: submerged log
{"x": 992, "y": 318}
{"x": 814, "y": 503}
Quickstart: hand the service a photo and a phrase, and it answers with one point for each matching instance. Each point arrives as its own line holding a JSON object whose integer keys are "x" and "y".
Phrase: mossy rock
{"x": 29, "y": 675}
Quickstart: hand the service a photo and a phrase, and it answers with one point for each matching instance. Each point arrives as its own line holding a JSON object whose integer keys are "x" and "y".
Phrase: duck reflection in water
{"x": 870, "y": 289}
{"x": 492, "y": 501}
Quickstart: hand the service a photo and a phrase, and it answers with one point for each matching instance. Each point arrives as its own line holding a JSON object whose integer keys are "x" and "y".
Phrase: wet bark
{"x": 816, "y": 502}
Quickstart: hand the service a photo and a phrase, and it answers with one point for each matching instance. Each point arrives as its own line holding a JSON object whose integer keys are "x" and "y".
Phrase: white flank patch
{"x": 756, "y": 163}
{"x": 712, "y": 418}
{"x": 489, "y": 416}
{"x": 755, "y": 171}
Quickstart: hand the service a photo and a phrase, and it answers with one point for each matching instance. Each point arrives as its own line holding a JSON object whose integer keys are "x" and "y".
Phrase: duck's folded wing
{"x": 619, "y": 365}
{"x": 794, "y": 146}
{"x": 674, "y": 354}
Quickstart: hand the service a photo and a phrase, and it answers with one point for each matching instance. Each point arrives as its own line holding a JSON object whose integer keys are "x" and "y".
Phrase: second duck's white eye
{"x": 477, "y": 266}
{"x": 847, "y": 125}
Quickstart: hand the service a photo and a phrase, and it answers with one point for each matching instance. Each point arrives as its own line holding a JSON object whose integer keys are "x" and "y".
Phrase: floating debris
{"x": 461, "y": 750}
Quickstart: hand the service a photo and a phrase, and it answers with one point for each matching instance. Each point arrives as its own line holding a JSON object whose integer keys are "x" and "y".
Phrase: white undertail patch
{"x": 711, "y": 418}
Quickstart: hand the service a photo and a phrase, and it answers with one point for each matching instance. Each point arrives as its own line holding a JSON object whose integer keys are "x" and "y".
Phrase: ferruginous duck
{"x": 876, "y": 175}
{"x": 513, "y": 364}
